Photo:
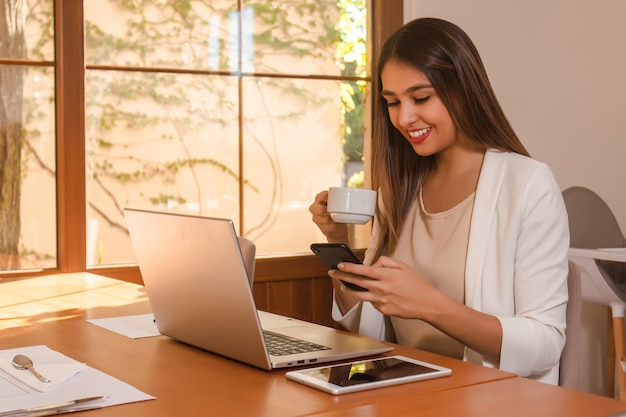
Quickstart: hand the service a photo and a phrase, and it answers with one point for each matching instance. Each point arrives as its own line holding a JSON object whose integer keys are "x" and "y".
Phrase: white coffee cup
{"x": 351, "y": 205}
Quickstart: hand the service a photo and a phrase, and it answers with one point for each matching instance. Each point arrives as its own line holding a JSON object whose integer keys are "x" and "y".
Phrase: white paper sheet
{"x": 135, "y": 327}
{"x": 90, "y": 383}
{"x": 54, "y": 366}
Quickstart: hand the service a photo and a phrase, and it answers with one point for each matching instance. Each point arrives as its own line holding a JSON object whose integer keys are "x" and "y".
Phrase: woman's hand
{"x": 334, "y": 232}
{"x": 395, "y": 289}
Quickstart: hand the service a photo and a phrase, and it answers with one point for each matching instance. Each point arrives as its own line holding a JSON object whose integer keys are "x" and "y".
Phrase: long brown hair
{"x": 448, "y": 57}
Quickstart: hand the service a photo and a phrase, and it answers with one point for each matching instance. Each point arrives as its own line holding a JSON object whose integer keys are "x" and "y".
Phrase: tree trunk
{"x": 12, "y": 45}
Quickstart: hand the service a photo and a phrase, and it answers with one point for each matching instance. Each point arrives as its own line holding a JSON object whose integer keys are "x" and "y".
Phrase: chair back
{"x": 248, "y": 251}
{"x": 570, "y": 357}
{"x": 592, "y": 224}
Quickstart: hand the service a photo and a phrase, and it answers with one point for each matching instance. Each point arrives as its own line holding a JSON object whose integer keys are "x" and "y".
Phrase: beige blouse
{"x": 435, "y": 245}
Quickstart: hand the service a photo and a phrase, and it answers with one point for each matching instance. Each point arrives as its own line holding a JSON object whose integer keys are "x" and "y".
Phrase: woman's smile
{"x": 419, "y": 136}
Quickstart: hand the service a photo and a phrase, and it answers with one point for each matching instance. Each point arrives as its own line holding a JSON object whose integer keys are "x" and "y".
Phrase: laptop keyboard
{"x": 279, "y": 345}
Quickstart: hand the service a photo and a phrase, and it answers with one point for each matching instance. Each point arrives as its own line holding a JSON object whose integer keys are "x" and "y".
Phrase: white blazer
{"x": 516, "y": 267}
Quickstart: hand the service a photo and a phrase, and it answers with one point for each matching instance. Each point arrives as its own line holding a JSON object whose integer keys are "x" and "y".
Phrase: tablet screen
{"x": 367, "y": 371}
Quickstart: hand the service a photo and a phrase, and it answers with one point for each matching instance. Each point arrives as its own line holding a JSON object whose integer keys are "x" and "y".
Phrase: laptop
{"x": 200, "y": 291}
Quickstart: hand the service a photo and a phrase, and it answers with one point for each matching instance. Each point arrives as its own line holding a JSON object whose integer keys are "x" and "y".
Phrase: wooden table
{"x": 511, "y": 397}
{"x": 188, "y": 381}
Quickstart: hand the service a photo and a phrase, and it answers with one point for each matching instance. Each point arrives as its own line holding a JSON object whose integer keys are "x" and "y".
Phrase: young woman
{"x": 468, "y": 254}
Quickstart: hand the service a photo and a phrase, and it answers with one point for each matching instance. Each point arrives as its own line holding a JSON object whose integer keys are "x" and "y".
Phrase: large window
{"x": 221, "y": 109}
{"x": 238, "y": 109}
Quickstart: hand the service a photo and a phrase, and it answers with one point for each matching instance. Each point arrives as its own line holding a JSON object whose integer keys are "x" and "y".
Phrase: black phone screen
{"x": 334, "y": 253}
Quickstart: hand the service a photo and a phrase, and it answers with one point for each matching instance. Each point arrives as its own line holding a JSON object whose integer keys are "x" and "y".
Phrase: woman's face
{"x": 416, "y": 110}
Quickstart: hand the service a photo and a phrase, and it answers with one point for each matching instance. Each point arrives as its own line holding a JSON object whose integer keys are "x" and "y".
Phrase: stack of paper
{"x": 19, "y": 389}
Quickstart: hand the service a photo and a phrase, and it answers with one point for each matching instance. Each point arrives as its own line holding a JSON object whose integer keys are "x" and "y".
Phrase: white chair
{"x": 598, "y": 248}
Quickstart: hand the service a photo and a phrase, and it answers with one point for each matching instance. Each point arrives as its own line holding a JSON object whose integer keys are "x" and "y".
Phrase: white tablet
{"x": 367, "y": 374}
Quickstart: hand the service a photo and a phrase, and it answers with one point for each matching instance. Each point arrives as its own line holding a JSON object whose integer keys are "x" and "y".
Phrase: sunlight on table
{"x": 39, "y": 299}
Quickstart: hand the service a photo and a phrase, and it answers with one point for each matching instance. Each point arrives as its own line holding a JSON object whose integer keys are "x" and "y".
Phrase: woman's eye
{"x": 416, "y": 100}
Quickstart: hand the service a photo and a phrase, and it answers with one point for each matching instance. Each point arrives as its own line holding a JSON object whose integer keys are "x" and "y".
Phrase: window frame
{"x": 387, "y": 16}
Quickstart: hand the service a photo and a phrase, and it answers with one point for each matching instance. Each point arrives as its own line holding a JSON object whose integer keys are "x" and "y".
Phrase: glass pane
{"x": 27, "y": 30}
{"x": 294, "y": 147}
{"x": 27, "y": 138}
{"x": 38, "y": 245}
{"x": 161, "y": 33}
{"x": 157, "y": 141}
{"x": 310, "y": 37}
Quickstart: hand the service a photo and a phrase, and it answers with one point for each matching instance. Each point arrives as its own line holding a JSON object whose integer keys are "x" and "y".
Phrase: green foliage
{"x": 40, "y": 15}
{"x": 352, "y": 54}
{"x": 277, "y": 17}
{"x": 357, "y": 180}
{"x": 164, "y": 200}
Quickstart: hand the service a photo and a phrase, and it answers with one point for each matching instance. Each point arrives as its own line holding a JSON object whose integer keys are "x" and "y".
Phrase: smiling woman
{"x": 468, "y": 255}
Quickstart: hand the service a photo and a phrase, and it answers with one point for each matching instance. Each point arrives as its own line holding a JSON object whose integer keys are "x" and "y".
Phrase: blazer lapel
{"x": 487, "y": 191}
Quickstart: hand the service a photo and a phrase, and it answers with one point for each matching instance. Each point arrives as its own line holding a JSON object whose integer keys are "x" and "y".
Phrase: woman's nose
{"x": 407, "y": 116}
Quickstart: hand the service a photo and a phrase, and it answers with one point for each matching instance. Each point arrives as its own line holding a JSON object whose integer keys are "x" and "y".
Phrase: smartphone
{"x": 367, "y": 374}
{"x": 334, "y": 253}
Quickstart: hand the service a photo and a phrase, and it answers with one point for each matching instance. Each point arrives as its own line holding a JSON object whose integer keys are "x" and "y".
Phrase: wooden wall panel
{"x": 322, "y": 295}
{"x": 280, "y": 298}
{"x": 307, "y": 299}
{"x": 302, "y": 298}
{"x": 259, "y": 291}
